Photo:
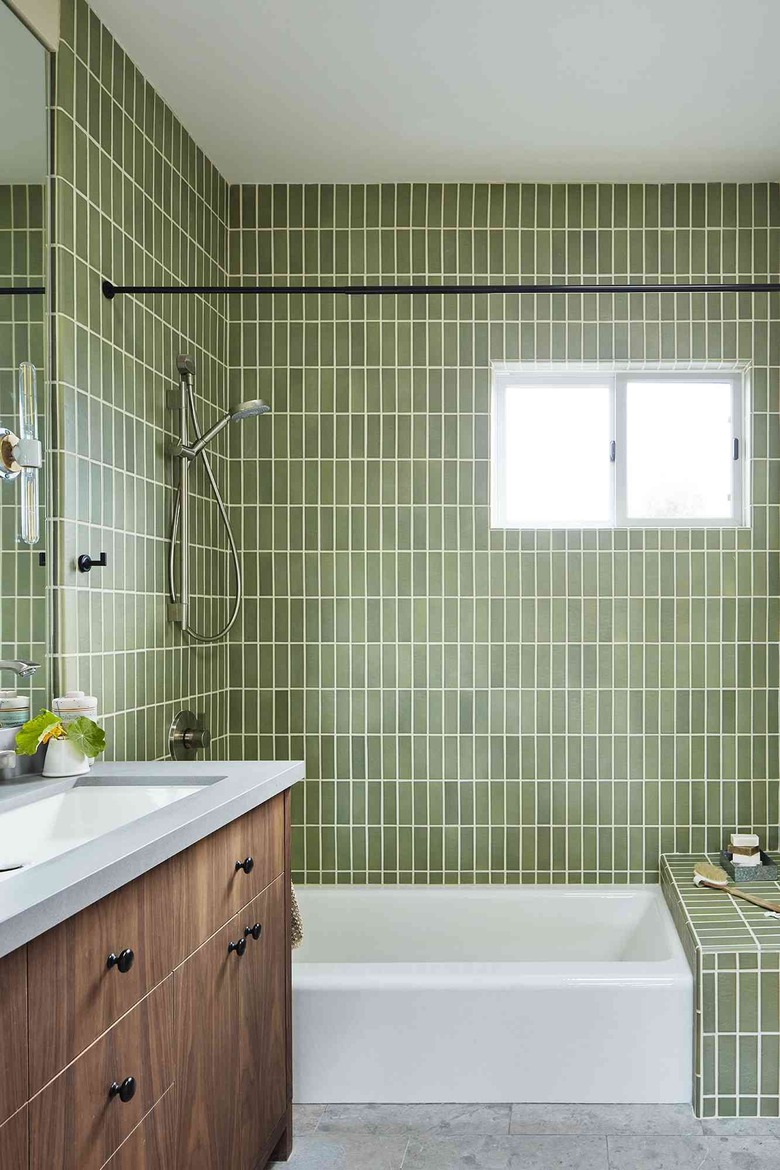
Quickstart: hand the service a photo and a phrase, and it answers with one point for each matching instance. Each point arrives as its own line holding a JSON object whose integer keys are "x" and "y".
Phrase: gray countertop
{"x": 38, "y": 897}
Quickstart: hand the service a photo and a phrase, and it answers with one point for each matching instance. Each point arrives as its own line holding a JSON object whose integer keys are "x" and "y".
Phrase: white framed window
{"x": 636, "y": 449}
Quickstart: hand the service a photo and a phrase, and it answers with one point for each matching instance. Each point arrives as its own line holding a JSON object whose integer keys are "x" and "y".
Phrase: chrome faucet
{"x": 20, "y": 666}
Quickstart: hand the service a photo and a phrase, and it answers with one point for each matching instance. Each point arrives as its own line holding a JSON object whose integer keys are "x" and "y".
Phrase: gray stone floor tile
{"x": 433, "y": 1118}
{"x": 657, "y": 1153}
{"x": 543, "y": 1137}
{"x": 642, "y": 1120}
{"x": 691, "y": 1153}
{"x": 306, "y": 1118}
{"x": 525, "y": 1152}
{"x": 346, "y": 1151}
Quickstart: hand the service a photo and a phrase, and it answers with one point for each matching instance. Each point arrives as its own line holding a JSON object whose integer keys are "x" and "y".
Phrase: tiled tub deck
{"x": 734, "y": 952}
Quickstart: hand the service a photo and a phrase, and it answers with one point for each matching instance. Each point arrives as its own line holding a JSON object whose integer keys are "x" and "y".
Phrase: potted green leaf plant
{"x": 69, "y": 746}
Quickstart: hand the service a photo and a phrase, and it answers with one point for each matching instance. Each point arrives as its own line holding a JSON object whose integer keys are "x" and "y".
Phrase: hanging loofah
{"x": 296, "y": 923}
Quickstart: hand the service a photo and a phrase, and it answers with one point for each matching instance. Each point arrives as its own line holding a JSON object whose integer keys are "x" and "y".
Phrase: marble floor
{"x": 528, "y": 1137}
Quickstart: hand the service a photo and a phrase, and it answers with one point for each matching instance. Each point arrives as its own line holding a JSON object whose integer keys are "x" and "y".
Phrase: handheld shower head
{"x": 236, "y": 413}
{"x": 185, "y": 452}
{"x": 248, "y": 409}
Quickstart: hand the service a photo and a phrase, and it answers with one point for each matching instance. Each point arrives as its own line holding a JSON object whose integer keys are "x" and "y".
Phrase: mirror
{"x": 23, "y": 377}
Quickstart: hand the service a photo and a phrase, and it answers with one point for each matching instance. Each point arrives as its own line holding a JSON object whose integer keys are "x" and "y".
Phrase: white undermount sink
{"x": 55, "y": 824}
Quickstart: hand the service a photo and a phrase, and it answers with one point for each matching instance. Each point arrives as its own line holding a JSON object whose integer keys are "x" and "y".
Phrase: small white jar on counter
{"x": 14, "y": 708}
{"x": 75, "y": 705}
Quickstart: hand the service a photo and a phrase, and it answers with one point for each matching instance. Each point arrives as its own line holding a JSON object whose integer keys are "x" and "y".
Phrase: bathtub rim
{"x": 673, "y": 970}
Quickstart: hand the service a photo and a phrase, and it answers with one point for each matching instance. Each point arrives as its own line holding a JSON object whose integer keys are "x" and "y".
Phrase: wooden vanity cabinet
{"x": 14, "y": 1088}
{"x": 262, "y": 1024}
{"x": 77, "y": 1123}
{"x": 152, "y": 1144}
{"x": 74, "y": 994}
{"x": 14, "y": 1154}
{"x": 206, "y": 991}
{"x": 198, "y": 1020}
{"x": 231, "y": 1039}
{"x": 223, "y": 872}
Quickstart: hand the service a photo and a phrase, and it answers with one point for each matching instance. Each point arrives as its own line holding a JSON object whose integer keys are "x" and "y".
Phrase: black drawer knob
{"x": 248, "y": 864}
{"x": 239, "y": 947}
{"x": 123, "y": 961}
{"x": 256, "y": 930}
{"x": 124, "y": 1091}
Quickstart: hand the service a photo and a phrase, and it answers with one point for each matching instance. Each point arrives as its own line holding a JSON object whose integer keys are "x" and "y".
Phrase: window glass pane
{"x": 679, "y": 453}
{"x": 557, "y": 470}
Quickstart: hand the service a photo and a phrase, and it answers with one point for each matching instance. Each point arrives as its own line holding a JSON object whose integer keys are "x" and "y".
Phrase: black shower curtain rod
{"x": 359, "y": 290}
{"x": 22, "y": 291}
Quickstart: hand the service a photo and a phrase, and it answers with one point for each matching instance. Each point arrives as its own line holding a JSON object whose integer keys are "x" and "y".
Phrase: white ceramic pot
{"x": 64, "y": 759}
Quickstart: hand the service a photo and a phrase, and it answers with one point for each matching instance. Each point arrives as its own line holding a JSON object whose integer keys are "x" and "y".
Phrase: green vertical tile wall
{"x": 23, "y": 609}
{"x": 477, "y": 705}
{"x": 137, "y": 201}
{"x": 471, "y": 705}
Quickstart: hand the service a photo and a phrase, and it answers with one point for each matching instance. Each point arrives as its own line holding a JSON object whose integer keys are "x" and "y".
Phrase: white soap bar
{"x": 745, "y": 839}
{"x": 740, "y": 859}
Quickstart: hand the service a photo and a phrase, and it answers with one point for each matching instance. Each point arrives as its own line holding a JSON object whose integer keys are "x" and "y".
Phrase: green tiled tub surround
{"x": 477, "y": 705}
{"x": 137, "y": 201}
{"x": 734, "y": 952}
{"x": 472, "y": 705}
{"x": 23, "y": 606}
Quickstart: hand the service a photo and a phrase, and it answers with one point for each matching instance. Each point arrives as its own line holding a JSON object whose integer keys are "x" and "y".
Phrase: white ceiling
{"x": 22, "y": 102}
{"x": 399, "y": 90}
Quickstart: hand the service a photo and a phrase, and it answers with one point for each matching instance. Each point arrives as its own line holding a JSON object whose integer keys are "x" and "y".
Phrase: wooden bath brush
{"x": 715, "y": 878}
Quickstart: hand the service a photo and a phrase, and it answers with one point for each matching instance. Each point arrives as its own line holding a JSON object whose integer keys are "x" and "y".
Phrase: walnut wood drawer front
{"x": 88, "y": 971}
{"x": 83, "y": 1116}
{"x": 13, "y": 1033}
{"x": 13, "y": 1142}
{"x": 152, "y": 1145}
{"x": 223, "y": 872}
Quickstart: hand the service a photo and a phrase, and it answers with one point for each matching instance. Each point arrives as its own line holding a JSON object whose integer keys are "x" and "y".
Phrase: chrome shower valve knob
{"x": 188, "y": 735}
{"x": 195, "y": 738}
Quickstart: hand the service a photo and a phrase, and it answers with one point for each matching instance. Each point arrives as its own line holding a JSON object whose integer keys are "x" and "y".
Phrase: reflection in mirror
{"x": 23, "y": 352}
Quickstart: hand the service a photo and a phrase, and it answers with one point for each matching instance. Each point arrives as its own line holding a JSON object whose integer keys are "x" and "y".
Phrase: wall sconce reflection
{"x": 21, "y": 456}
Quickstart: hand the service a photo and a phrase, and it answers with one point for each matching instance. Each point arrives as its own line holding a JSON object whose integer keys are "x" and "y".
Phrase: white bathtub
{"x": 488, "y": 993}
